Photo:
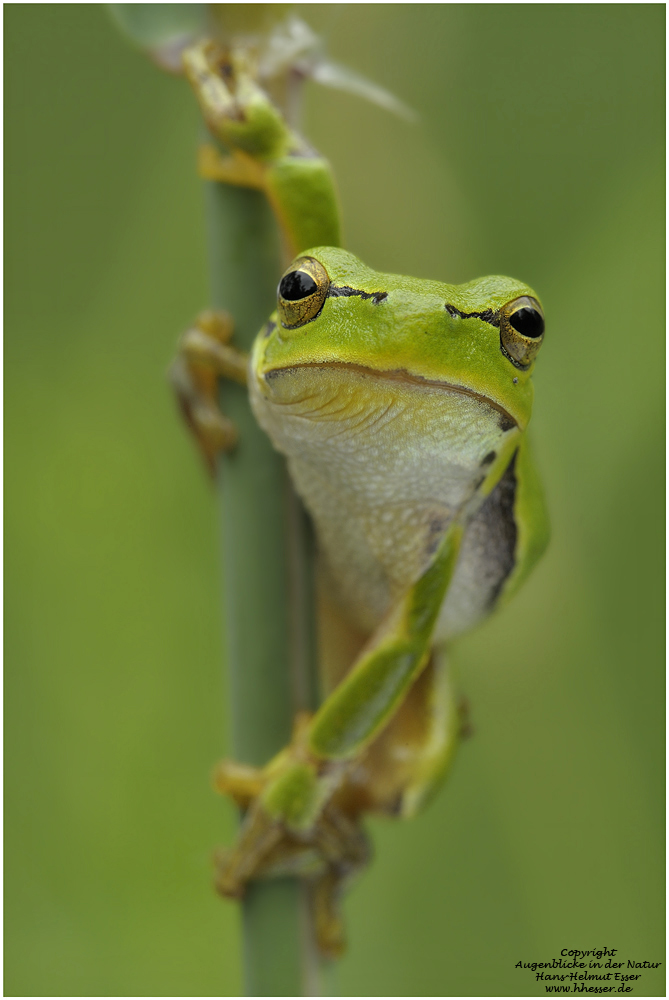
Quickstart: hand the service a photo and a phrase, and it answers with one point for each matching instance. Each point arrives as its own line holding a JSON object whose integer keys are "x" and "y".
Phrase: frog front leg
{"x": 303, "y": 818}
{"x": 205, "y": 355}
{"x": 266, "y": 155}
{"x": 262, "y": 151}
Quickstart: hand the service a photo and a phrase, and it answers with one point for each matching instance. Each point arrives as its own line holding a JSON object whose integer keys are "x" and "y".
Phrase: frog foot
{"x": 297, "y": 823}
{"x": 204, "y": 356}
{"x": 328, "y": 855}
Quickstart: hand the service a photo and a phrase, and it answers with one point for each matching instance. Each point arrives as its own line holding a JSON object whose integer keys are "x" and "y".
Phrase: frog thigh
{"x": 409, "y": 759}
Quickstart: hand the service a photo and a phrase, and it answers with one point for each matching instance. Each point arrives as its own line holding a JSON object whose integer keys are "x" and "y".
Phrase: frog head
{"x": 480, "y": 338}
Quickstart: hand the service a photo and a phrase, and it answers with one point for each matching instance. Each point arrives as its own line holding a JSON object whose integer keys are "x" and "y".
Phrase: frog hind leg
{"x": 408, "y": 761}
{"x": 302, "y": 820}
{"x": 396, "y": 776}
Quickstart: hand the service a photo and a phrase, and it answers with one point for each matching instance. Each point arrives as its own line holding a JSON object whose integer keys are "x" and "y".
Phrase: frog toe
{"x": 241, "y": 782}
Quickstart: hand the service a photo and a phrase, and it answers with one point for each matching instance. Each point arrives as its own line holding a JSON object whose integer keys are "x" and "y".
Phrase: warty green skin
{"x": 448, "y": 398}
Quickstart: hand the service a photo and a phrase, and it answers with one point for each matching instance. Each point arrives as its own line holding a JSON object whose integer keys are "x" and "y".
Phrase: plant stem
{"x": 267, "y": 585}
{"x": 266, "y": 551}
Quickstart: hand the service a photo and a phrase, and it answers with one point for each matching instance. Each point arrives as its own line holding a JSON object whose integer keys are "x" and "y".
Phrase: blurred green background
{"x": 539, "y": 154}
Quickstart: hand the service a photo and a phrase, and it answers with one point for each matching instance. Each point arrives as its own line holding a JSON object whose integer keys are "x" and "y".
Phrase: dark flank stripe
{"x": 499, "y": 514}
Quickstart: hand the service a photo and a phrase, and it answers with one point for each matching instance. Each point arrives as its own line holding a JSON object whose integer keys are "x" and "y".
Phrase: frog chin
{"x": 286, "y": 386}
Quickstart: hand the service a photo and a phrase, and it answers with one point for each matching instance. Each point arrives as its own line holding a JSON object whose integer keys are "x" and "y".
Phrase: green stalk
{"x": 266, "y": 550}
{"x": 267, "y": 585}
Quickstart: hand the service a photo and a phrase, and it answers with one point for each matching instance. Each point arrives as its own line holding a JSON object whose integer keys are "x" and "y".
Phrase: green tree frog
{"x": 402, "y": 408}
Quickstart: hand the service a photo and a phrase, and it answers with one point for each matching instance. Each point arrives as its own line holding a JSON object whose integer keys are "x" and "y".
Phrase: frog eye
{"x": 302, "y": 292}
{"x": 521, "y": 330}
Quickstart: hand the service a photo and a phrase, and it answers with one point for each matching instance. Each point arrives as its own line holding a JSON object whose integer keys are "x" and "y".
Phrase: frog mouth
{"x": 507, "y": 422}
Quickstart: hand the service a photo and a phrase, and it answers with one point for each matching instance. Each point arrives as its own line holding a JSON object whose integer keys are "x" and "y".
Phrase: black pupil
{"x": 297, "y": 285}
{"x": 527, "y": 322}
